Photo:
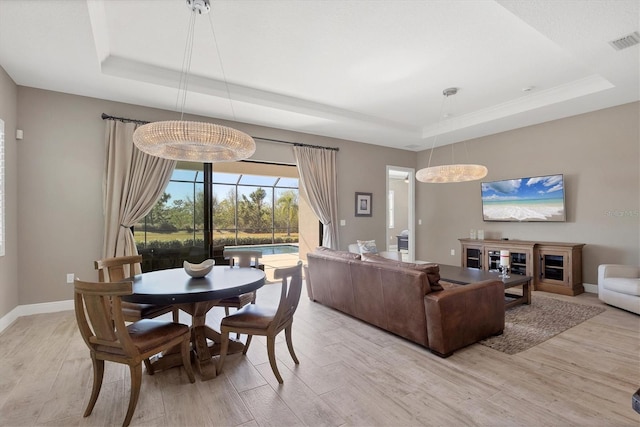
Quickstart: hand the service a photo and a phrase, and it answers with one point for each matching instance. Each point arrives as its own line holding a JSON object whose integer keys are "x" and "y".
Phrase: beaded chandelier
{"x": 194, "y": 141}
{"x": 453, "y": 172}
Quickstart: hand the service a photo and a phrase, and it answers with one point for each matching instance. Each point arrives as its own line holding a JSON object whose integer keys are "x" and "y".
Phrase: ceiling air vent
{"x": 626, "y": 41}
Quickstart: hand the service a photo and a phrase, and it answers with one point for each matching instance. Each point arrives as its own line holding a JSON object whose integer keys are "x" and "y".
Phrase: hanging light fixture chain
{"x": 224, "y": 76}
{"x": 193, "y": 141}
{"x": 186, "y": 65}
{"x": 452, "y": 172}
{"x": 435, "y": 138}
{"x": 450, "y": 116}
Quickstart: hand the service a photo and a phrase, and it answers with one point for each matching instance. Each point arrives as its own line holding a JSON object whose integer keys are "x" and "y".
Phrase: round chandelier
{"x": 193, "y": 141}
{"x": 452, "y": 173}
{"x": 188, "y": 140}
{"x": 442, "y": 174}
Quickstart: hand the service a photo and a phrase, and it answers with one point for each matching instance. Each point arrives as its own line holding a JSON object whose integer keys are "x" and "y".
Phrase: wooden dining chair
{"x": 118, "y": 269}
{"x": 240, "y": 259}
{"x": 101, "y": 321}
{"x": 254, "y": 319}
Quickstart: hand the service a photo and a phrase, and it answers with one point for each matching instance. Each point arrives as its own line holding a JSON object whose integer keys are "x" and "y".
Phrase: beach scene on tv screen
{"x": 525, "y": 199}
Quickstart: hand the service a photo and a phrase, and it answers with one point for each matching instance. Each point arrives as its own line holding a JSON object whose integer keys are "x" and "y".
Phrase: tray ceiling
{"x": 366, "y": 71}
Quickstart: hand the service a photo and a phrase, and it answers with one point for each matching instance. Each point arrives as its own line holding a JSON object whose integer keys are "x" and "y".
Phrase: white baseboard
{"x": 27, "y": 310}
{"x": 592, "y": 289}
{"x": 52, "y": 307}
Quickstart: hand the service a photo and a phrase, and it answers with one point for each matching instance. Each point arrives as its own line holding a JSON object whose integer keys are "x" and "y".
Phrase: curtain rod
{"x": 123, "y": 119}
{"x": 297, "y": 144}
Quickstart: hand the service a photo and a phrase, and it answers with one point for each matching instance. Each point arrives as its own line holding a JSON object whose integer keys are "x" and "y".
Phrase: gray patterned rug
{"x": 529, "y": 325}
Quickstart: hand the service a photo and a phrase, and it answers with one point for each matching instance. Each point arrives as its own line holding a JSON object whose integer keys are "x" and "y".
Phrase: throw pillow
{"x": 432, "y": 270}
{"x": 367, "y": 246}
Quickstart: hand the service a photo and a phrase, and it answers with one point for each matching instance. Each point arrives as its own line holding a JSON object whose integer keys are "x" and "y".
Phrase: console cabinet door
{"x": 554, "y": 267}
{"x": 560, "y": 270}
{"x": 472, "y": 256}
{"x": 520, "y": 262}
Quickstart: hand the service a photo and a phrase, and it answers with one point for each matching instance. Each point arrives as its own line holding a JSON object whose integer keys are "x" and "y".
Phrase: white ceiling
{"x": 369, "y": 71}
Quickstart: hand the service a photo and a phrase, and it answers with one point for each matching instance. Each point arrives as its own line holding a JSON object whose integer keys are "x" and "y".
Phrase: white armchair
{"x": 619, "y": 285}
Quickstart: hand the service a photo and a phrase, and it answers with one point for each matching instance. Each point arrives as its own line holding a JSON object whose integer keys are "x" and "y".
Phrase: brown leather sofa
{"x": 406, "y": 299}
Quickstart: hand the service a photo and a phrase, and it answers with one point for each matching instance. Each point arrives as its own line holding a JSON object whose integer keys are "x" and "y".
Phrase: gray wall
{"x": 58, "y": 173}
{"x": 9, "y": 262}
{"x": 363, "y": 168}
{"x": 599, "y": 155}
{"x": 60, "y": 167}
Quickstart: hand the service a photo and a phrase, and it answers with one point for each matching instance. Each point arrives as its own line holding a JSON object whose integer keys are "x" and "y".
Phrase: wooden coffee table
{"x": 465, "y": 276}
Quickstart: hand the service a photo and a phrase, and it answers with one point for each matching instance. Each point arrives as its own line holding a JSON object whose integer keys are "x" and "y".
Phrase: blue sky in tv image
{"x": 534, "y": 188}
{"x": 525, "y": 199}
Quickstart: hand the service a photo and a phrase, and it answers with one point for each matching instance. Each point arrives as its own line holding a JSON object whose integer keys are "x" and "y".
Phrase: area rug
{"x": 529, "y": 325}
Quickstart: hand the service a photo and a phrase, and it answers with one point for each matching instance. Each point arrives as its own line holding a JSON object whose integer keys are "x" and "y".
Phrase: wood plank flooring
{"x": 350, "y": 374}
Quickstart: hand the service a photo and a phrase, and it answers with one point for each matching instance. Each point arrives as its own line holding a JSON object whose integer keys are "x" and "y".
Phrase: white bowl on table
{"x": 199, "y": 270}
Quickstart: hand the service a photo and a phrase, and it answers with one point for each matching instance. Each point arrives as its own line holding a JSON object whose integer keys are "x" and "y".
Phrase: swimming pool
{"x": 277, "y": 249}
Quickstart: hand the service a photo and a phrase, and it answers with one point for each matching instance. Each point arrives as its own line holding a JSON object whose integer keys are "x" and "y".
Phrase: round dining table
{"x": 196, "y": 296}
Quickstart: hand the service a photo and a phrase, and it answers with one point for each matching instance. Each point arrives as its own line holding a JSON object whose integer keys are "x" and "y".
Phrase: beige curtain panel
{"x": 319, "y": 181}
{"x": 133, "y": 182}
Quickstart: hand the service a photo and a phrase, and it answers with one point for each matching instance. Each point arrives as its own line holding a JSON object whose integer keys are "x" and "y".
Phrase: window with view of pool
{"x": 268, "y": 249}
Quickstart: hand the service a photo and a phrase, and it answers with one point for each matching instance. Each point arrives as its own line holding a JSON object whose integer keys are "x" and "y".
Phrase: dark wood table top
{"x": 175, "y": 286}
{"x": 464, "y": 276}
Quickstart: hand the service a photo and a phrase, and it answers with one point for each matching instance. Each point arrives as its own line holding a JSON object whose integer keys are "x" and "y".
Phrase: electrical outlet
{"x": 453, "y": 252}
{"x": 70, "y": 277}
{"x": 419, "y": 222}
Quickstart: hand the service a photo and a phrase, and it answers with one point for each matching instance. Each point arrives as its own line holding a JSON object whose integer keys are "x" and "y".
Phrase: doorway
{"x": 400, "y": 211}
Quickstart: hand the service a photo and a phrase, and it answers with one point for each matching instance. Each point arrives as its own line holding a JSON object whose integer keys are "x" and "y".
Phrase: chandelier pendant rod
{"x": 224, "y": 75}
{"x": 183, "y": 84}
{"x": 446, "y": 93}
{"x": 452, "y": 172}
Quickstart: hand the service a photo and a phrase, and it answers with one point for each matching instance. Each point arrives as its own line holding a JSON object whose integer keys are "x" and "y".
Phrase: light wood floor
{"x": 349, "y": 374}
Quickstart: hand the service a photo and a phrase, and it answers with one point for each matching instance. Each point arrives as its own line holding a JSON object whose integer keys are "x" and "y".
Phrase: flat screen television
{"x": 539, "y": 198}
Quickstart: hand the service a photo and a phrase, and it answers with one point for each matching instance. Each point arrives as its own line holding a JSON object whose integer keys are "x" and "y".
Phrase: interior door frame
{"x": 411, "y": 207}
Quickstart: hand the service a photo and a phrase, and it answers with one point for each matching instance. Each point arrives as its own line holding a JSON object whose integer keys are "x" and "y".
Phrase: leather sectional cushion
{"x": 338, "y": 254}
{"x": 432, "y": 270}
{"x": 433, "y": 274}
{"x": 448, "y": 285}
{"x": 369, "y": 257}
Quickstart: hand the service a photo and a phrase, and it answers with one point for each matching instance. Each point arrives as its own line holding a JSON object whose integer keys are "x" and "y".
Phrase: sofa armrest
{"x": 307, "y": 281}
{"x": 617, "y": 270}
{"x": 463, "y": 315}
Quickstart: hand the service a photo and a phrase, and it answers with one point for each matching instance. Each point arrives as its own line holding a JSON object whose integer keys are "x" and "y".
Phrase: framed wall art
{"x": 363, "y": 204}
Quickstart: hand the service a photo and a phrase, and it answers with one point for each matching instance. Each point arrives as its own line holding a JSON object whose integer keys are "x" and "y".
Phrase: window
{"x": 250, "y": 208}
{"x": 2, "y": 212}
